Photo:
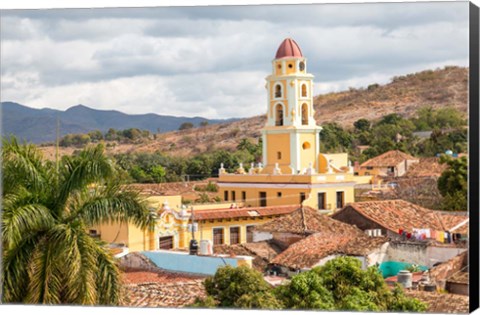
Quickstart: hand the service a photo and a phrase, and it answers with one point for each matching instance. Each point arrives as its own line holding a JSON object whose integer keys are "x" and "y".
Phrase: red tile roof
{"x": 154, "y": 294}
{"x": 450, "y": 267}
{"x": 306, "y": 220}
{"x": 441, "y": 302}
{"x": 309, "y": 251}
{"x": 248, "y": 212}
{"x": 288, "y": 48}
{"x": 262, "y": 252}
{"x": 426, "y": 167}
{"x": 399, "y": 214}
{"x": 388, "y": 159}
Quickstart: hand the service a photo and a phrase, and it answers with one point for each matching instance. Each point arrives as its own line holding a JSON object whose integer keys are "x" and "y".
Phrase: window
{"x": 233, "y": 196}
{"x": 302, "y": 197}
{"x": 225, "y": 195}
{"x": 278, "y": 91}
{"x": 244, "y": 196}
{"x": 321, "y": 201}
{"x": 304, "y": 114}
{"x": 304, "y": 90}
{"x": 340, "y": 196}
{"x": 279, "y": 155}
{"x": 217, "y": 236}
{"x": 166, "y": 242}
{"x": 279, "y": 194}
{"x": 263, "y": 199}
{"x": 369, "y": 167}
{"x": 250, "y": 233}
{"x": 234, "y": 235}
{"x": 290, "y": 65}
{"x": 279, "y": 115}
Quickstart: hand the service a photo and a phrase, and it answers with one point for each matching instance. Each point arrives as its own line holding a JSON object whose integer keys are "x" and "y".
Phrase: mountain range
{"x": 39, "y": 125}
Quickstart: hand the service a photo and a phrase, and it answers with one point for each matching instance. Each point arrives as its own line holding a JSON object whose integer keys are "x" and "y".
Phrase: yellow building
{"x": 293, "y": 169}
{"x": 293, "y": 172}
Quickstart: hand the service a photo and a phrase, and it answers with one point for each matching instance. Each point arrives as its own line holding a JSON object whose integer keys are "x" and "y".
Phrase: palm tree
{"x": 48, "y": 255}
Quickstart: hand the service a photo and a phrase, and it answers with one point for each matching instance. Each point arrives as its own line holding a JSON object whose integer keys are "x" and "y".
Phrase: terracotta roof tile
{"x": 450, "y": 267}
{"x": 306, "y": 220}
{"x": 161, "y": 288}
{"x": 426, "y": 167}
{"x": 309, "y": 251}
{"x": 399, "y": 214}
{"x": 262, "y": 252}
{"x": 390, "y": 158}
{"x": 441, "y": 302}
{"x": 243, "y": 212}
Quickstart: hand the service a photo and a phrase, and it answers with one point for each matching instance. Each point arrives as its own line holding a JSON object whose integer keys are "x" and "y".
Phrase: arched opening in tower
{"x": 279, "y": 115}
{"x": 304, "y": 114}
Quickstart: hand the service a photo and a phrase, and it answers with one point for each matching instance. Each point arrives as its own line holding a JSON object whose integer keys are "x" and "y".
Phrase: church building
{"x": 294, "y": 171}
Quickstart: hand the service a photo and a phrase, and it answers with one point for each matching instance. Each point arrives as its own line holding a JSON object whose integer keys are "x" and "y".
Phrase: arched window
{"x": 304, "y": 114}
{"x": 278, "y": 91}
{"x": 304, "y": 90}
{"x": 279, "y": 115}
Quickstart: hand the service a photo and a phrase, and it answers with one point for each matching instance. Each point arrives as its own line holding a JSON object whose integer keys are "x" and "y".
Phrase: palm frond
{"x": 109, "y": 285}
{"x": 77, "y": 173}
{"x": 109, "y": 204}
{"x": 22, "y": 165}
{"x": 22, "y": 217}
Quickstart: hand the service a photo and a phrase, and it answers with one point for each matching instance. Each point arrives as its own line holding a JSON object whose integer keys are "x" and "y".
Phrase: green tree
{"x": 185, "y": 125}
{"x": 341, "y": 284}
{"x": 240, "y": 287}
{"x": 362, "y": 125}
{"x": 453, "y": 183}
{"x": 48, "y": 256}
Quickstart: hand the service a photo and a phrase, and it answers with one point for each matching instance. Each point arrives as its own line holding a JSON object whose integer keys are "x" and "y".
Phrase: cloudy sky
{"x": 212, "y": 61}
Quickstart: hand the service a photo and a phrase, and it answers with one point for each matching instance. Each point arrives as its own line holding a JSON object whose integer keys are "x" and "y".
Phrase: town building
{"x": 389, "y": 164}
{"x": 294, "y": 171}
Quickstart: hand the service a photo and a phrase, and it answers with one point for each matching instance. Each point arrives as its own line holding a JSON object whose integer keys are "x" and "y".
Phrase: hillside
{"x": 39, "y": 125}
{"x": 404, "y": 95}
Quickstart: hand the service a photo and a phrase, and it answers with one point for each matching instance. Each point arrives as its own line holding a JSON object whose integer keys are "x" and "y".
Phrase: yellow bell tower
{"x": 290, "y": 115}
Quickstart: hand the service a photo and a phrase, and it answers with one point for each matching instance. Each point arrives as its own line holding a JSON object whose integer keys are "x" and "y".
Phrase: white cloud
{"x": 212, "y": 61}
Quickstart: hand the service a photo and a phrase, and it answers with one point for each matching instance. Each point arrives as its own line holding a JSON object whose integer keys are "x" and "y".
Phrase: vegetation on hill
{"x": 340, "y": 285}
{"x": 47, "y": 254}
{"x": 394, "y": 132}
{"x": 453, "y": 184}
{"x": 122, "y": 136}
{"x": 158, "y": 167}
{"x": 437, "y": 89}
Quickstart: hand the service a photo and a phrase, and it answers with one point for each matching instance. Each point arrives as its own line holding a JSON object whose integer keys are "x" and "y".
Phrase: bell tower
{"x": 290, "y": 136}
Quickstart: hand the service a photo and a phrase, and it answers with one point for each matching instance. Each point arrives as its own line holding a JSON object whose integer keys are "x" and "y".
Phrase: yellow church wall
{"x": 293, "y": 69}
{"x": 156, "y": 202}
{"x": 338, "y": 159}
{"x": 330, "y": 197}
{"x": 278, "y": 143}
{"x": 205, "y": 228}
{"x": 307, "y": 144}
{"x": 288, "y": 196}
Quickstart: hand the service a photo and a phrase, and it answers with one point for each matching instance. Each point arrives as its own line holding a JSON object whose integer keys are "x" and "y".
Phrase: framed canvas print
{"x": 318, "y": 157}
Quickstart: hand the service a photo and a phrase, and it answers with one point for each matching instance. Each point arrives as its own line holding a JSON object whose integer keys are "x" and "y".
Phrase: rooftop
{"x": 308, "y": 252}
{"x": 396, "y": 215}
{"x": 288, "y": 48}
{"x": 262, "y": 252}
{"x": 246, "y": 212}
{"x": 450, "y": 268}
{"x": 426, "y": 167}
{"x": 441, "y": 302}
{"x": 388, "y": 159}
{"x": 306, "y": 220}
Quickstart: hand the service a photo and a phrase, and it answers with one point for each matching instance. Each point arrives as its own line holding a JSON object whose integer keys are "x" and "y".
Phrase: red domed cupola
{"x": 288, "y": 48}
